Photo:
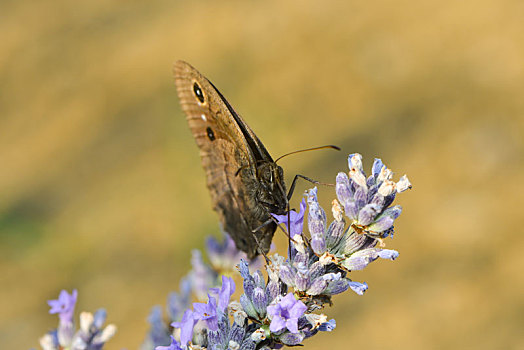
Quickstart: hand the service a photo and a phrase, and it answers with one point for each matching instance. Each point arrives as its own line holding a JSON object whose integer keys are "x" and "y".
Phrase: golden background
{"x": 101, "y": 187}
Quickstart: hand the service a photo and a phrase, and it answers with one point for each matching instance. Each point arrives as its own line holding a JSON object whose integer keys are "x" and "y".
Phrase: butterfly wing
{"x": 229, "y": 152}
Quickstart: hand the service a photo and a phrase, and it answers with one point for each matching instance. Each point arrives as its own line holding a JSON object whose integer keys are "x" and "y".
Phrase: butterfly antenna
{"x": 309, "y": 149}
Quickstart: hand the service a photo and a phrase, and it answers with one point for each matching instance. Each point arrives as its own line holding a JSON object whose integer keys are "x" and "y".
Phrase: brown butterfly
{"x": 246, "y": 185}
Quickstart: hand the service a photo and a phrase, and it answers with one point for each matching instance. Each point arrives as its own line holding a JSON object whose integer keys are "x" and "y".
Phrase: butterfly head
{"x": 272, "y": 190}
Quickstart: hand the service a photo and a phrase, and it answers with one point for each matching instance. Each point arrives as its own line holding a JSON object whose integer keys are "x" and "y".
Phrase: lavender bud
{"x": 260, "y": 301}
{"x": 291, "y": 339}
{"x": 248, "y": 306}
{"x": 317, "y": 287}
{"x": 343, "y": 188}
{"x": 368, "y": 214}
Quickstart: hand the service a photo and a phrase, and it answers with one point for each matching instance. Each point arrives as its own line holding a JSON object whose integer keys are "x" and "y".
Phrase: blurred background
{"x": 101, "y": 187}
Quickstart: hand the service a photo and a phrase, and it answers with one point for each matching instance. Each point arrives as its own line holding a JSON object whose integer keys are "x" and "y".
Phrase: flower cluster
{"x": 280, "y": 306}
{"x": 90, "y": 336}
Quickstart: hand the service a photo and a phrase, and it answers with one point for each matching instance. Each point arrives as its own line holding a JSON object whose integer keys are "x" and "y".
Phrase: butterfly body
{"x": 245, "y": 184}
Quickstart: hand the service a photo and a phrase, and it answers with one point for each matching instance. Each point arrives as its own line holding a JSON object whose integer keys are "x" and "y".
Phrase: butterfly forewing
{"x": 230, "y": 154}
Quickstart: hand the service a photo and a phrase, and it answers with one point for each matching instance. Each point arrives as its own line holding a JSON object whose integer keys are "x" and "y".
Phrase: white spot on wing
{"x": 203, "y": 116}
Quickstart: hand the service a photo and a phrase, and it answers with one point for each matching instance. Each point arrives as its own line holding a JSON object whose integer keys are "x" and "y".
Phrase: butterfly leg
{"x": 259, "y": 249}
{"x": 270, "y": 220}
{"x": 293, "y": 184}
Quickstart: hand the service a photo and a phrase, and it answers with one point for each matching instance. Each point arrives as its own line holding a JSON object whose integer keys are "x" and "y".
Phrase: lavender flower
{"x": 295, "y": 221}
{"x": 225, "y": 293}
{"x": 285, "y": 314}
{"x": 281, "y": 308}
{"x": 231, "y": 336}
{"x": 158, "y": 332}
{"x": 207, "y": 312}
{"x": 90, "y": 336}
{"x": 173, "y": 346}
{"x": 223, "y": 256}
{"x": 178, "y": 302}
{"x": 202, "y": 276}
{"x": 255, "y": 299}
{"x": 367, "y": 201}
{"x": 307, "y": 274}
{"x": 64, "y": 306}
{"x": 186, "y": 327}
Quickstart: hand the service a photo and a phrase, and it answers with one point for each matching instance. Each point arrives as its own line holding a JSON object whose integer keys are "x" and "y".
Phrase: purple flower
{"x": 178, "y": 302}
{"x": 64, "y": 306}
{"x": 227, "y": 290}
{"x": 207, "y": 312}
{"x": 173, "y": 346}
{"x": 158, "y": 332}
{"x": 223, "y": 255}
{"x": 202, "y": 277}
{"x": 367, "y": 201}
{"x": 285, "y": 314}
{"x": 296, "y": 220}
{"x": 186, "y": 327}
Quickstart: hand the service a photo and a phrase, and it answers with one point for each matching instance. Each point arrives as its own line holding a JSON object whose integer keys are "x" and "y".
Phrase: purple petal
{"x": 294, "y": 220}
{"x": 297, "y": 310}
{"x": 287, "y": 301}
{"x": 227, "y": 290}
{"x": 186, "y": 327}
{"x": 64, "y": 305}
{"x": 173, "y": 346}
{"x": 292, "y": 325}
{"x": 277, "y": 323}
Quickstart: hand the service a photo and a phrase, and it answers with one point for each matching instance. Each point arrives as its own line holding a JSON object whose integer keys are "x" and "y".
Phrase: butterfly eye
{"x": 210, "y": 134}
{"x": 198, "y": 92}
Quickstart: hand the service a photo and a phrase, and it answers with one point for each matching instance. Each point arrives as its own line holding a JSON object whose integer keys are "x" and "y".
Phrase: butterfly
{"x": 245, "y": 184}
